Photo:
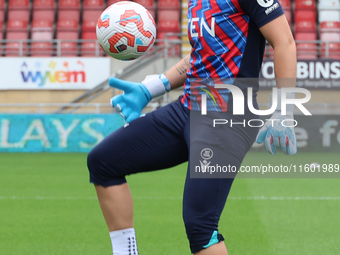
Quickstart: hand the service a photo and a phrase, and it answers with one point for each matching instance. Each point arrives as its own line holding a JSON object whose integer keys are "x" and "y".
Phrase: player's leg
{"x": 149, "y": 143}
{"x": 204, "y": 198}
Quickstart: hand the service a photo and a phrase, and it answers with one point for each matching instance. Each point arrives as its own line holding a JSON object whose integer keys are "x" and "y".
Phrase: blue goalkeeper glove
{"x": 137, "y": 95}
{"x": 278, "y": 136}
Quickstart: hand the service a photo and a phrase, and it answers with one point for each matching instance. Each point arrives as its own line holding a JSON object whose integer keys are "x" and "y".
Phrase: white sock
{"x": 124, "y": 242}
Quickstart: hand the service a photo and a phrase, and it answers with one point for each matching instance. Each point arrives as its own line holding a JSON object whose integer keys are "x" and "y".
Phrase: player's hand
{"x": 130, "y": 104}
{"x": 276, "y": 136}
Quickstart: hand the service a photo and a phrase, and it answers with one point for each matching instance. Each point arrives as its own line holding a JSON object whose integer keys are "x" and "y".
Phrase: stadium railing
{"x": 57, "y": 48}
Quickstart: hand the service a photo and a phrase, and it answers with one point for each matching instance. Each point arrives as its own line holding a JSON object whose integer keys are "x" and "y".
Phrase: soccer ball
{"x": 126, "y": 30}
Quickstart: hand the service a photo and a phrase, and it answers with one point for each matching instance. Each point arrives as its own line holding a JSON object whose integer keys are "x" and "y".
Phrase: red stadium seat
{"x": 91, "y": 15}
{"x": 93, "y": 4}
{"x": 285, "y": 4}
{"x": 333, "y": 50}
{"x": 92, "y": 9}
{"x": 110, "y": 2}
{"x": 69, "y": 10}
{"x": 305, "y": 26}
{"x": 91, "y": 49}
{"x": 306, "y": 50}
{"x": 89, "y": 27}
{"x": 169, "y": 4}
{"x": 305, "y": 21}
{"x": 17, "y": 25}
{"x": 41, "y": 49}
{"x": 18, "y": 4}
{"x": 43, "y": 10}
{"x": 305, "y": 5}
{"x": 330, "y": 26}
{"x": 306, "y": 36}
{"x": 2, "y": 11}
{"x": 42, "y": 30}
{"x": 18, "y": 10}
{"x": 67, "y": 29}
{"x": 168, "y": 21}
{"x": 148, "y": 4}
{"x": 17, "y": 30}
{"x": 68, "y": 49}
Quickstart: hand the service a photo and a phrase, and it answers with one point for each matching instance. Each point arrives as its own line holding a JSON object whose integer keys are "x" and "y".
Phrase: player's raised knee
{"x": 102, "y": 168}
{"x": 201, "y": 234}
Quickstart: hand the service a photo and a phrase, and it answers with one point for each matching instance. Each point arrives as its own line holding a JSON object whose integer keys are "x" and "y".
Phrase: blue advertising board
{"x": 55, "y": 132}
{"x": 81, "y": 132}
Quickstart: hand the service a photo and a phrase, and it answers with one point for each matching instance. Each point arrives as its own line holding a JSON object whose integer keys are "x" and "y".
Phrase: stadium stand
{"x": 315, "y": 24}
{"x": 69, "y": 10}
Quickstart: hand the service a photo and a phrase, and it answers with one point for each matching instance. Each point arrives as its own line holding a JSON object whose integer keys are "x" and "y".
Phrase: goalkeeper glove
{"x": 137, "y": 95}
{"x": 274, "y": 134}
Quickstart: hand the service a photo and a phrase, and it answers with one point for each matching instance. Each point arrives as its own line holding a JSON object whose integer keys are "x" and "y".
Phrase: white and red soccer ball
{"x": 126, "y": 30}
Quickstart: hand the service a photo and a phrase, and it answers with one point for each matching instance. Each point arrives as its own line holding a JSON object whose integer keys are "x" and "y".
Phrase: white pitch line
{"x": 167, "y": 198}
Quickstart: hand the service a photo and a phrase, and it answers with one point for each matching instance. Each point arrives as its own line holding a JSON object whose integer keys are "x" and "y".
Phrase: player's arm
{"x": 278, "y": 34}
{"x": 137, "y": 95}
{"x": 178, "y": 73}
{"x": 276, "y": 136}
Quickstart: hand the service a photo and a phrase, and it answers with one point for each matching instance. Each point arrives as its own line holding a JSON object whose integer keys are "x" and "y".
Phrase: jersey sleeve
{"x": 261, "y": 12}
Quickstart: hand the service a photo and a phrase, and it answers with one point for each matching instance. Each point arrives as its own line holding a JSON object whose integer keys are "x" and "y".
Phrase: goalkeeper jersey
{"x": 226, "y": 44}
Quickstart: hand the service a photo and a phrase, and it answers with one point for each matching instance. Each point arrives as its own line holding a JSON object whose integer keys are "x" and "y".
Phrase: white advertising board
{"x": 53, "y": 73}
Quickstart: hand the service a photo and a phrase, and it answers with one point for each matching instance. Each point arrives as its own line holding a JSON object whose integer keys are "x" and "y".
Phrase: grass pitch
{"x": 48, "y": 207}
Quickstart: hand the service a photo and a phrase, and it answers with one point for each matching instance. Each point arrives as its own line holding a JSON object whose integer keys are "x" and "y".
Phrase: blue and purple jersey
{"x": 226, "y": 44}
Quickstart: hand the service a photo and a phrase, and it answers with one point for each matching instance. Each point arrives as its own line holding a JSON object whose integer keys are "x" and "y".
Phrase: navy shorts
{"x": 161, "y": 139}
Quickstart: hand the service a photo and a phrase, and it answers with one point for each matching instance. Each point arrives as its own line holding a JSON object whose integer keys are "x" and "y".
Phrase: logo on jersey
{"x": 272, "y": 8}
{"x": 265, "y": 3}
{"x": 206, "y": 154}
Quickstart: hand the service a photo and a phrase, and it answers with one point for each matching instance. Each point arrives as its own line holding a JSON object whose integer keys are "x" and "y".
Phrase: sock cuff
{"x": 122, "y": 232}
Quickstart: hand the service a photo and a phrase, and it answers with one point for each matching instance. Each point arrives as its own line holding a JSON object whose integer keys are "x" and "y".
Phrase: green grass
{"x": 48, "y": 207}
